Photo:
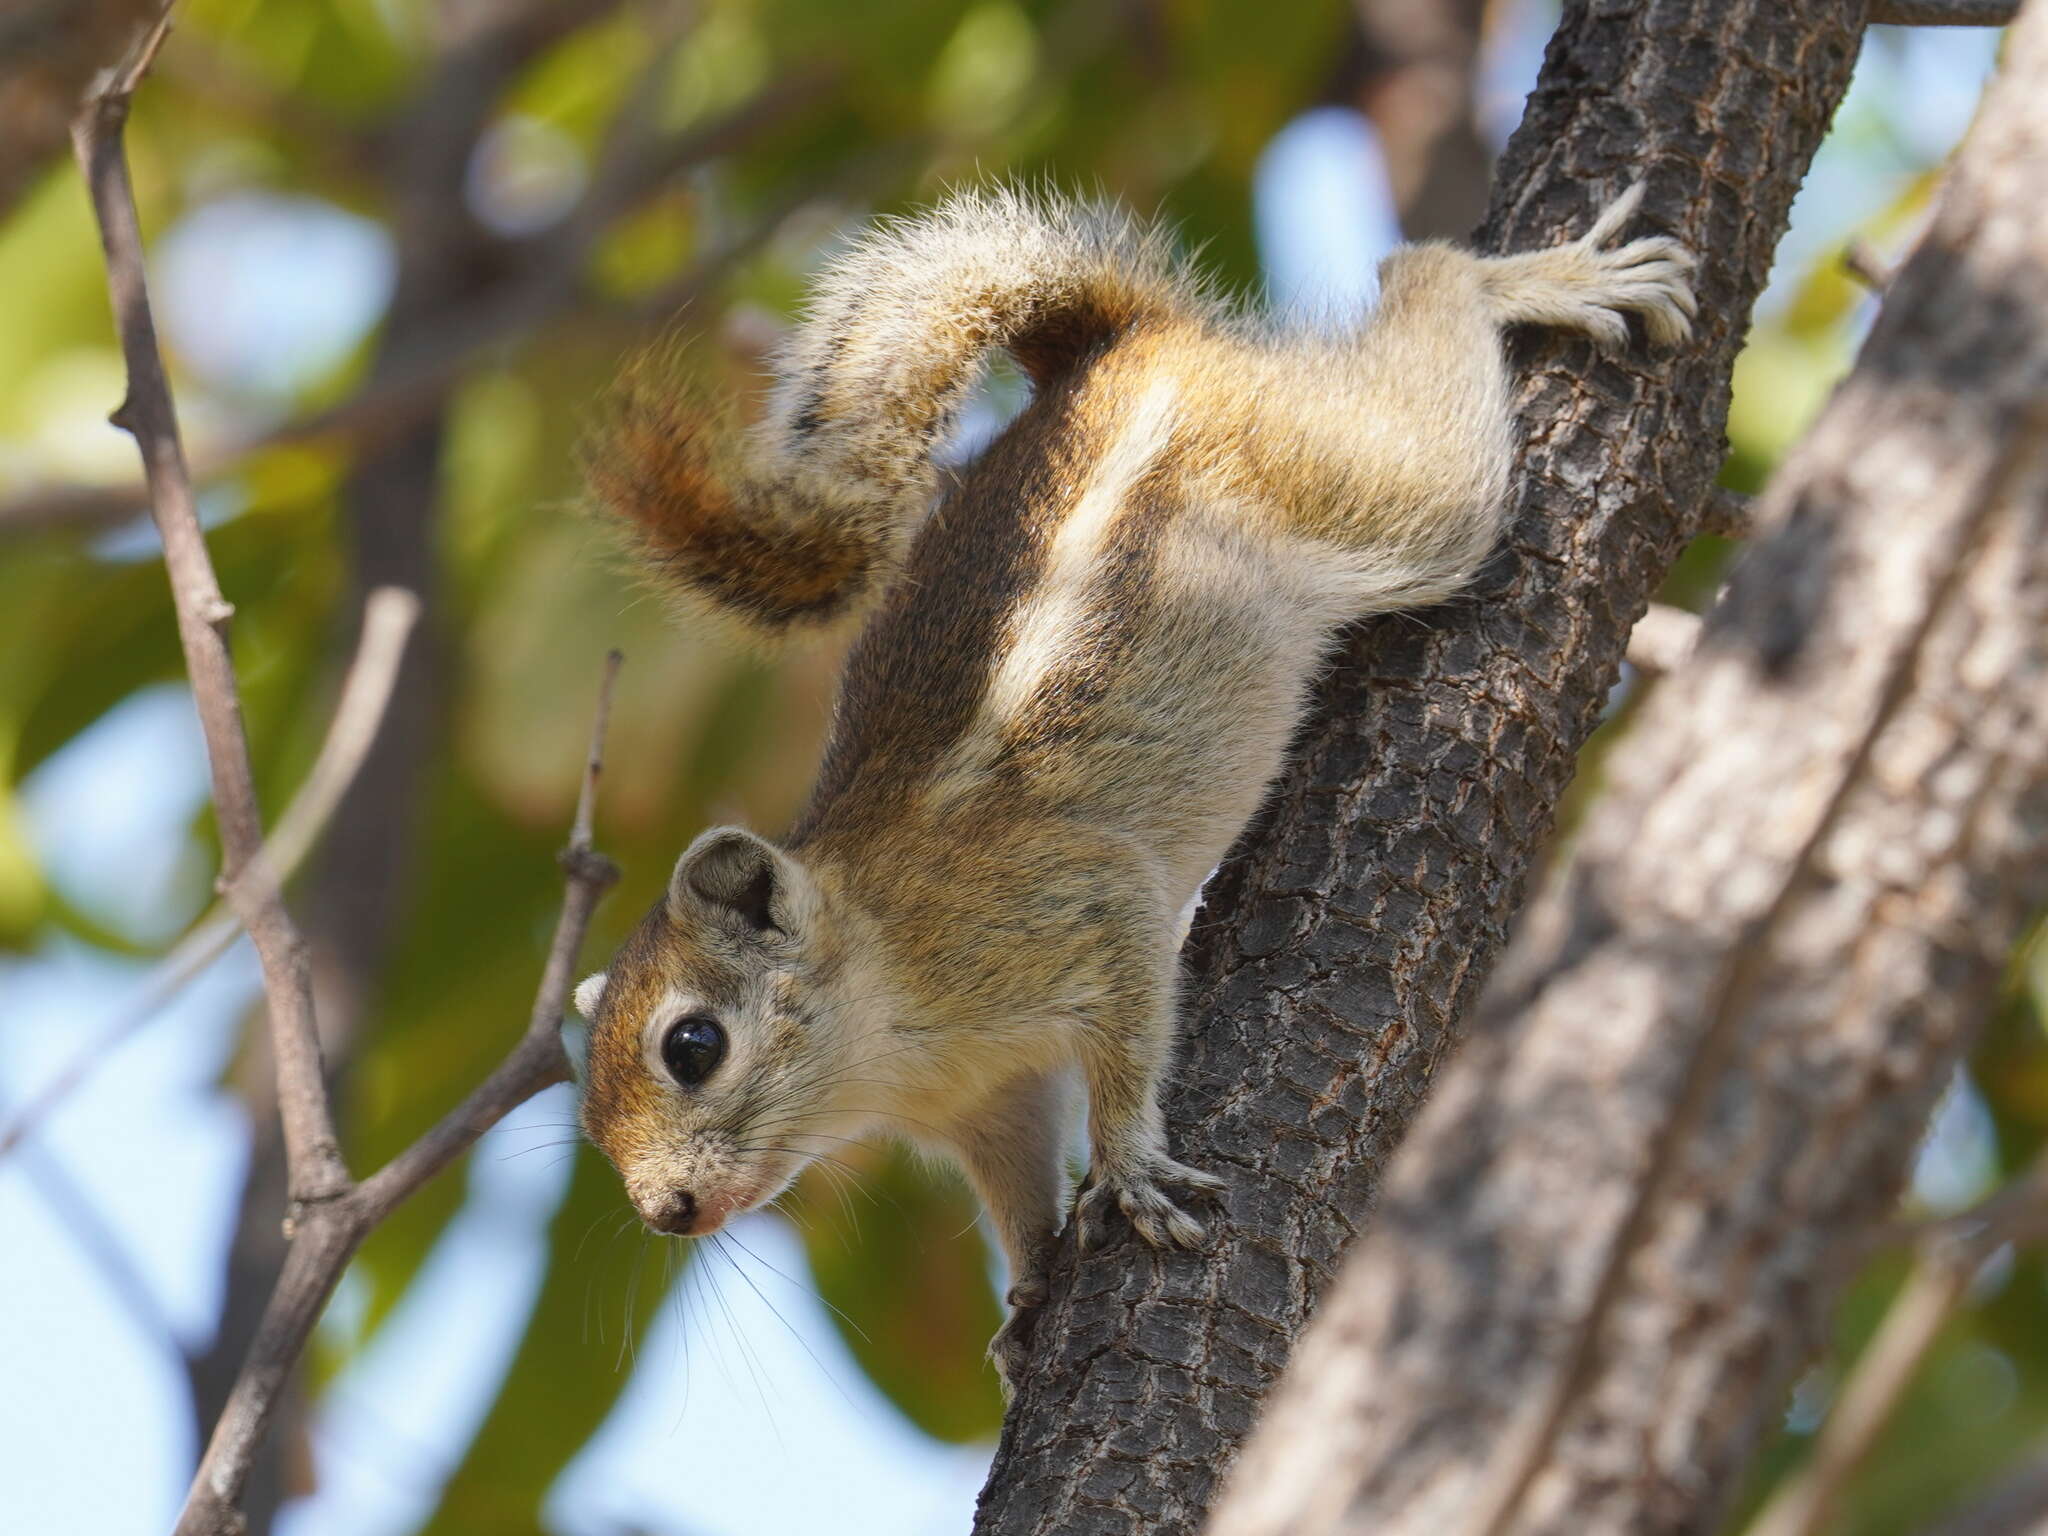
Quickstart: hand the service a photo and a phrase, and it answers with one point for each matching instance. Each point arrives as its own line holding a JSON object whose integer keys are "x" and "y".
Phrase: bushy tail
{"x": 808, "y": 516}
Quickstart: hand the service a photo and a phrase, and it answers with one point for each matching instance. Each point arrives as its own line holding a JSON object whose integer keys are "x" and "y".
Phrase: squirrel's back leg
{"x": 1402, "y": 433}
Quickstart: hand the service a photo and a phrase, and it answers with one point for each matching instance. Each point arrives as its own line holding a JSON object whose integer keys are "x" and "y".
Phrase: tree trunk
{"x": 1337, "y": 951}
{"x": 1621, "y": 1225}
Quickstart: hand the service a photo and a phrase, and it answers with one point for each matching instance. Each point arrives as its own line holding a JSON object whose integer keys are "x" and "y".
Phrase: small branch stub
{"x": 1862, "y": 262}
{"x": 1728, "y": 514}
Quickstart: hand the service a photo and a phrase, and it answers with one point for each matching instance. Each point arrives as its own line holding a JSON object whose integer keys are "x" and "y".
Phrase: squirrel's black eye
{"x": 693, "y": 1048}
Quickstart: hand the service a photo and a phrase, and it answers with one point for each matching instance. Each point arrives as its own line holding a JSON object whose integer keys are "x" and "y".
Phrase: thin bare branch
{"x": 147, "y": 414}
{"x": 1948, "y": 1258}
{"x": 330, "y": 1215}
{"x": 325, "y": 1236}
{"x": 365, "y": 694}
{"x": 593, "y": 766}
{"x": 1944, "y": 13}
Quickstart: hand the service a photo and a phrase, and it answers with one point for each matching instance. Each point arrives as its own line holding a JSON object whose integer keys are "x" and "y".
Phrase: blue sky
{"x": 738, "y": 1419}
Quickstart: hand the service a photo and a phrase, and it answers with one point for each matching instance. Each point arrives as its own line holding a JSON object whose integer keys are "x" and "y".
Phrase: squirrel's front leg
{"x": 1013, "y": 1150}
{"x": 1124, "y": 1056}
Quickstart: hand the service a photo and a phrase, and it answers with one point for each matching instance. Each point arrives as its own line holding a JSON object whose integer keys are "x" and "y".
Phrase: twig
{"x": 1524, "y": 1454}
{"x": 1947, "y": 1258}
{"x": 365, "y": 694}
{"x": 1662, "y": 639}
{"x": 325, "y": 1236}
{"x": 1944, "y": 13}
{"x": 330, "y": 1215}
{"x": 313, "y": 1154}
{"x": 580, "y": 831}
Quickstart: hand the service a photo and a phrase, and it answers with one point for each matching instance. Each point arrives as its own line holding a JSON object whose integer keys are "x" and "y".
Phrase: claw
{"x": 1612, "y": 218}
{"x": 1153, "y": 1215}
{"x": 1010, "y": 1347}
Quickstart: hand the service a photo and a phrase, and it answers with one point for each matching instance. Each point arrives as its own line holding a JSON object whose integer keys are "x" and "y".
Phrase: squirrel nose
{"x": 676, "y": 1215}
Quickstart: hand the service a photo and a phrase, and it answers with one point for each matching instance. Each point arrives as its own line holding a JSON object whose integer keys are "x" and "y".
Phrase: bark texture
{"x": 1338, "y": 950}
{"x": 1700, "y": 1078}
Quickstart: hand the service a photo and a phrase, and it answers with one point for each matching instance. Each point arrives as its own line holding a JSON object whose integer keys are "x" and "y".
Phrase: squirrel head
{"x": 729, "y": 1039}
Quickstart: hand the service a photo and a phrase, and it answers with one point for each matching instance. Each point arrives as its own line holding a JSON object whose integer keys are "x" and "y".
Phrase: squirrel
{"x": 1080, "y": 661}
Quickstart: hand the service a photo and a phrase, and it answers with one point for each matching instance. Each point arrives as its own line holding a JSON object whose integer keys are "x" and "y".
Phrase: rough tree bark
{"x": 1620, "y": 1225}
{"x": 1337, "y": 951}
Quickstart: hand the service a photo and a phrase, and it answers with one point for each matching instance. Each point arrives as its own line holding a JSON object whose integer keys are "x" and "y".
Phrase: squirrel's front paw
{"x": 1137, "y": 1193}
{"x": 1011, "y": 1346}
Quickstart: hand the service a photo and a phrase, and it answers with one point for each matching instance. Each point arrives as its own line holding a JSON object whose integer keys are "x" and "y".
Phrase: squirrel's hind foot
{"x": 1587, "y": 286}
{"x": 1137, "y": 1191}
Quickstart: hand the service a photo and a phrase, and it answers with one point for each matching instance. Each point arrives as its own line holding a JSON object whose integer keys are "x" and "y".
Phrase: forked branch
{"x": 330, "y": 1213}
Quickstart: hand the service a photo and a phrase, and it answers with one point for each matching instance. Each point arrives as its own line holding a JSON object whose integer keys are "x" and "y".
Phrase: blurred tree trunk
{"x": 2016, "y": 1505}
{"x": 1412, "y": 69}
{"x": 49, "y": 52}
{"x": 1339, "y": 948}
{"x": 1621, "y": 1225}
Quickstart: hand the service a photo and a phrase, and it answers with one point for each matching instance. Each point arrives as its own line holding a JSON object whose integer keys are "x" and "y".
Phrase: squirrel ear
{"x": 734, "y": 872}
{"x": 587, "y": 994}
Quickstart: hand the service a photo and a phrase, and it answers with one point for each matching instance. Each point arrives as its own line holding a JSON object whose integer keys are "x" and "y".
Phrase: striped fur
{"x": 806, "y": 520}
{"x": 1079, "y": 670}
